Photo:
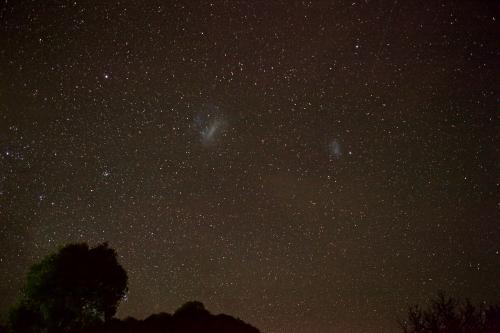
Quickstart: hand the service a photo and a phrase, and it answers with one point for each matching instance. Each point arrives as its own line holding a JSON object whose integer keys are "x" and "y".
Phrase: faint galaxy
{"x": 210, "y": 123}
{"x": 335, "y": 149}
{"x": 307, "y": 166}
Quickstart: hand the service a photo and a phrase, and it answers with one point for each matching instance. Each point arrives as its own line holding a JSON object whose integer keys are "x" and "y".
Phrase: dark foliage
{"x": 74, "y": 288}
{"x": 447, "y": 315}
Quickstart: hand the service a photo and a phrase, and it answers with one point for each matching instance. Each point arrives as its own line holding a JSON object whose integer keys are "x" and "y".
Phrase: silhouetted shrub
{"x": 447, "y": 315}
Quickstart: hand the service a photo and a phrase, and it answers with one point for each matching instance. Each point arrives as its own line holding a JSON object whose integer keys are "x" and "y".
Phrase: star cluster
{"x": 307, "y": 166}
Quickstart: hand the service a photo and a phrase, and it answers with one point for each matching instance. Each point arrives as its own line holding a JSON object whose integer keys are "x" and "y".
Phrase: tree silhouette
{"x": 447, "y": 315}
{"x": 70, "y": 290}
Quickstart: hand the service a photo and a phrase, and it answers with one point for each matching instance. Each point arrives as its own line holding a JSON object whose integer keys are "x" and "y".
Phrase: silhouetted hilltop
{"x": 192, "y": 317}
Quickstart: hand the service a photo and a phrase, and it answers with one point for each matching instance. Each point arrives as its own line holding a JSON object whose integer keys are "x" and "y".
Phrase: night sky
{"x": 307, "y": 166}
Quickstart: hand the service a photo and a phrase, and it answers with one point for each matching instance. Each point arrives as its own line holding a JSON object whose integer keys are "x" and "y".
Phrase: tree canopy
{"x": 69, "y": 290}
